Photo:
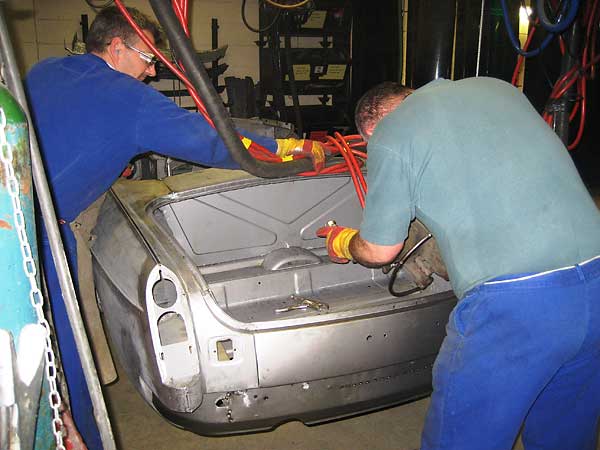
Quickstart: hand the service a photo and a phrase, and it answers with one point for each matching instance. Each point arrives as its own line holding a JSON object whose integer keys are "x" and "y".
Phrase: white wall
{"x": 41, "y": 28}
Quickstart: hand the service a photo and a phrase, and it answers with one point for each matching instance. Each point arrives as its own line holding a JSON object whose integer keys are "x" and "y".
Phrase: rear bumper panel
{"x": 263, "y": 409}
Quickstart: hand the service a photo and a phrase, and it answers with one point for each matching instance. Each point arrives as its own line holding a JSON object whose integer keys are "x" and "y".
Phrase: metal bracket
{"x": 304, "y": 303}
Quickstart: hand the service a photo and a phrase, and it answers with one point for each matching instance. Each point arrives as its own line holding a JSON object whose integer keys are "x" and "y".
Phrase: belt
{"x": 541, "y": 274}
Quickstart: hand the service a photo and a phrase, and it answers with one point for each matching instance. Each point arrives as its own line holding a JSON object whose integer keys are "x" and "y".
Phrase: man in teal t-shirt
{"x": 520, "y": 236}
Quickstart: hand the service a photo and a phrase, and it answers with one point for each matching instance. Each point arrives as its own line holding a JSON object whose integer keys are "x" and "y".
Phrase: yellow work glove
{"x": 338, "y": 242}
{"x": 305, "y": 147}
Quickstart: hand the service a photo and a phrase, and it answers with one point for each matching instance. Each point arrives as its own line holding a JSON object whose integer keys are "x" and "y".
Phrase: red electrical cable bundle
{"x": 346, "y": 146}
{"x": 578, "y": 74}
{"x": 342, "y": 146}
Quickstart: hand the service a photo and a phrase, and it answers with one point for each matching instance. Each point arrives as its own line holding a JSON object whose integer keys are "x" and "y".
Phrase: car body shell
{"x": 192, "y": 274}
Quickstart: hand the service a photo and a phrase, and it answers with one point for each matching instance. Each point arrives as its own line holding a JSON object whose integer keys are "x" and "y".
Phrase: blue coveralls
{"x": 91, "y": 121}
{"x": 518, "y": 232}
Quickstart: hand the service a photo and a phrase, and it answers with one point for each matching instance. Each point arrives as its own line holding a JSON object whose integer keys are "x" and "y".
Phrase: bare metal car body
{"x": 228, "y": 317}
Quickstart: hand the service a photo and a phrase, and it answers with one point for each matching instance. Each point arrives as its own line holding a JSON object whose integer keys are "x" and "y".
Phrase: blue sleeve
{"x": 389, "y": 204}
{"x": 165, "y": 128}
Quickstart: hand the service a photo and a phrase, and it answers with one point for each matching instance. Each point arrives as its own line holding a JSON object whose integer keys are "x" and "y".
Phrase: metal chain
{"x": 29, "y": 267}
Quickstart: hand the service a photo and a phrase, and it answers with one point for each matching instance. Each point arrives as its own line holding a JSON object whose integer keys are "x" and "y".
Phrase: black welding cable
{"x": 258, "y": 30}
{"x": 392, "y": 281}
{"x": 562, "y": 23}
{"x": 213, "y": 102}
{"x": 399, "y": 264}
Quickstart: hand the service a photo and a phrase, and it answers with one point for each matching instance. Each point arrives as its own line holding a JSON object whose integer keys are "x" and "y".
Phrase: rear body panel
{"x": 192, "y": 275}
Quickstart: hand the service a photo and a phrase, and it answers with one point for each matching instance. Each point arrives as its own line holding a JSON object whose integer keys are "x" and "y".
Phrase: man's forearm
{"x": 373, "y": 255}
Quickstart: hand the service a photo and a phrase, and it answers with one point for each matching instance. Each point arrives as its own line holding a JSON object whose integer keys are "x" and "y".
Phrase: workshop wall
{"x": 42, "y": 28}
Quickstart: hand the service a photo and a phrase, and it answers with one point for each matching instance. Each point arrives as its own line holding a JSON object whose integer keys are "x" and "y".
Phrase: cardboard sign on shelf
{"x": 316, "y": 20}
{"x": 334, "y": 72}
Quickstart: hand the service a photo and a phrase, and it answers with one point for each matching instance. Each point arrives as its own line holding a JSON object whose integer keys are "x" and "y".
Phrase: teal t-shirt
{"x": 474, "y": 161}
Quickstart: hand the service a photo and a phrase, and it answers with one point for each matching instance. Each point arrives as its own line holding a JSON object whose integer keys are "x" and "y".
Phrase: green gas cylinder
{"x": 19, "y": 263}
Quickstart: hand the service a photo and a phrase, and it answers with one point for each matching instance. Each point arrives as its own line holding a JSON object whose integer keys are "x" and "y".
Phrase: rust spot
{"x": 5, "y": 224}
{"x": 26, "y": 186}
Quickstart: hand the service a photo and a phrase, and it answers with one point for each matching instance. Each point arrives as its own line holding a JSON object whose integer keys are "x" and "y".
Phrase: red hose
{"x": 181, "y": 16}
{"x": 183, "y": 7}
{"x": 353, "y": 161}
{"x": 521, "y": 58}
{"x": 352, "y": 170}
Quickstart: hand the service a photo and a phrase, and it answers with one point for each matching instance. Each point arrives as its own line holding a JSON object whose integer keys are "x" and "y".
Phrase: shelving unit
{"x": 305, "y": 65}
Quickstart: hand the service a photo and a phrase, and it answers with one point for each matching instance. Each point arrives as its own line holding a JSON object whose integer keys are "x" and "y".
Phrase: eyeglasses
{"x": 148, "y": 58}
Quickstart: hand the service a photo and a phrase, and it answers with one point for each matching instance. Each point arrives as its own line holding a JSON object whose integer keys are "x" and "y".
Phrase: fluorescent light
{"x": 524, "y": 13}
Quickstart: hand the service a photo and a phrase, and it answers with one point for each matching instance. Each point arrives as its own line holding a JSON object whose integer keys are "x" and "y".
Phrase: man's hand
{"x": 311, "y": 149}
{"x": 72, "y": 438}
{"x": 338, "y": 242}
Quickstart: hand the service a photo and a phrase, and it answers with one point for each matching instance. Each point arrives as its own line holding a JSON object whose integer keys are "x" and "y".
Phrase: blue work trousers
{"x": 523, "y": 351}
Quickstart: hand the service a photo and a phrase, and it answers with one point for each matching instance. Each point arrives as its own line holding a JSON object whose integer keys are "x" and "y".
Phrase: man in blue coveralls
{"x": 93, "y": 114}
{"x": 520, "y": 236}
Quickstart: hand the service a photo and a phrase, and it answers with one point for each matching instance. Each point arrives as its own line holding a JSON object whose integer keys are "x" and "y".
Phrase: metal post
{"x": 479, "y": 38}
{"x": 13, "y": 81}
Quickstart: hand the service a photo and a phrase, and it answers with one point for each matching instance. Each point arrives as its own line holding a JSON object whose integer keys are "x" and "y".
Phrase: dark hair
{"x": 110, "y": 23}
{"x": 376, "y": 103}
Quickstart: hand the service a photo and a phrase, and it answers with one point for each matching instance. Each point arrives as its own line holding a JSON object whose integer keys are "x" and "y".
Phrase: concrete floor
{"x": 139, "y": 427}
